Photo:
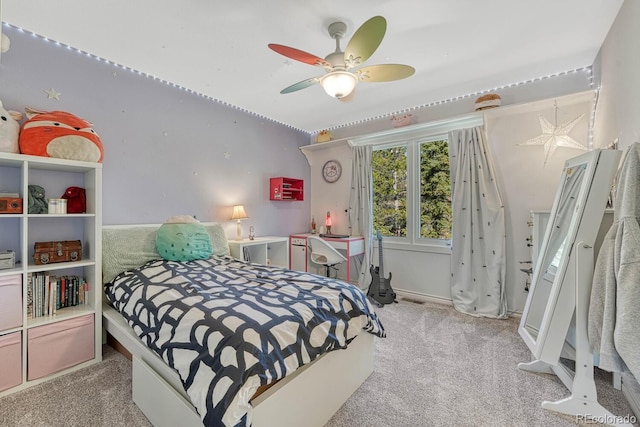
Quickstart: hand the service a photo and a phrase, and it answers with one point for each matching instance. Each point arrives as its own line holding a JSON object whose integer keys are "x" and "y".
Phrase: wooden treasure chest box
{"x": 62, "y": 251}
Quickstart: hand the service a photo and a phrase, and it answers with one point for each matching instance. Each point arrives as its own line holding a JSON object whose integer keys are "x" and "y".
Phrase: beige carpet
{"x": 437, "y": 367}
{"x": 97, "y": 396}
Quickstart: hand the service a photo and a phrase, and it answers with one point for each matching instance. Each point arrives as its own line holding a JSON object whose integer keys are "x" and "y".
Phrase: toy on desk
{"x": 328, "y": 234}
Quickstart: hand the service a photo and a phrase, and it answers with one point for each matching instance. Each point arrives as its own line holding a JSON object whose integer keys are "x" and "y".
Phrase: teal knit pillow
{"x": 183, "y": 238}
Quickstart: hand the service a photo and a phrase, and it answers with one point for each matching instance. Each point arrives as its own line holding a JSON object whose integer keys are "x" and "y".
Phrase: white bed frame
{"x": 308, "y": 397}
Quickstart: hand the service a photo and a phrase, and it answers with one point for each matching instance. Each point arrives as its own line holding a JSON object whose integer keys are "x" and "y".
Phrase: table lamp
{"x": 327, "y": 222}
{"x": 239, "y": 214}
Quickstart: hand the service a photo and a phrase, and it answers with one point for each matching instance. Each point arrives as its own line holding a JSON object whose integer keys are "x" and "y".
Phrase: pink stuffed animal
{"x": 9, "y": 130}
{"x": 399, "y": 121}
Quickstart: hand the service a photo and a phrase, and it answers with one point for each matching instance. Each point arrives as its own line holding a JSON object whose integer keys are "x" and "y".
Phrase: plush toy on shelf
{"x": 9, "y": 130}
{"x": 61, "y": 135}
{"x": 5, "y": 43}
{"x": 490, "y": 100}
{"x": 401, "y": 120}
{"x": 324, "y": 136}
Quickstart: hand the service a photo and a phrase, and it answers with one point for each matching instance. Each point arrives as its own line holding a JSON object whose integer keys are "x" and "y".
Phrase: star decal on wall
{"x": 53, "y": 94}
{"x": 554, "y": 135}
{"x": 227, "y": 155}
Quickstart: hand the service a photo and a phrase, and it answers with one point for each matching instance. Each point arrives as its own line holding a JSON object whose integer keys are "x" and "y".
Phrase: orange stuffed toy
{"x": 61, "y": 135}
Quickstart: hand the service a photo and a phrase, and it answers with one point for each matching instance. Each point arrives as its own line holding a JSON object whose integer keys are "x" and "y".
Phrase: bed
{"x": 220, "y": 341}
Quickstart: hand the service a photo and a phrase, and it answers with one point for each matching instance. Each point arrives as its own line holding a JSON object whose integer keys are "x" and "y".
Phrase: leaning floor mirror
{"x": 554, "y": 320}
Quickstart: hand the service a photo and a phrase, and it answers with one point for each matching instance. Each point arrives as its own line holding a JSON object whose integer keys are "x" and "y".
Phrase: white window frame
{"x": 412, "y": 136}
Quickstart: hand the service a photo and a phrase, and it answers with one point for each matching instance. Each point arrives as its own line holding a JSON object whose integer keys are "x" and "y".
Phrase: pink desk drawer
{"x": 58, "y": 346}
{"x": 10, "y": 302}
{"x": 11, "y": 356}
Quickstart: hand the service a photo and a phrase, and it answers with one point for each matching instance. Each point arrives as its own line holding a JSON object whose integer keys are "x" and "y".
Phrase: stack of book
{"x": 47, "y": 294}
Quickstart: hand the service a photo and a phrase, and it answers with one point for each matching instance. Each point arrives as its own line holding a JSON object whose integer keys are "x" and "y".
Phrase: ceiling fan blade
{"x": 299, "y": 55}
{"x": 384, "y": 72}
{"x": 365, "y": 41}
{"x": 300, "y": 85}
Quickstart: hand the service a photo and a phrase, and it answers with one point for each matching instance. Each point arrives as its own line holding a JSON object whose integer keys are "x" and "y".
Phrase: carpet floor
{"x": 437, "y": 367}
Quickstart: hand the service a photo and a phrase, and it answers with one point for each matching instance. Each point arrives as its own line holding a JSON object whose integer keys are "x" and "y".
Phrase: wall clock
{"x": 331, "y": 171}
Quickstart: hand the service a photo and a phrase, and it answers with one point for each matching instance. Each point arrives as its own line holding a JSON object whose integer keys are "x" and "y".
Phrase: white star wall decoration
{"x": 53, "y": 94}
{"x": 554, "y": 136}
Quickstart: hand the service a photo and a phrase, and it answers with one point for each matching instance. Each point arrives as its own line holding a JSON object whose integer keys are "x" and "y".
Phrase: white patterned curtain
{"x": 360, "y": 207}
{"x": 478, "y": 244}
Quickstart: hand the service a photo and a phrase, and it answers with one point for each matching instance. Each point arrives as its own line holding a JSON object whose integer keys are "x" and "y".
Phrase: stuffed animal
{"x": 183, "y": 238}
{"x": 490, "y": 100}
{"x": 61, "y": 135}
{"x": 324, "y": 136}
{"x": 37, "y": 202}
{"x": 403, "y": 120}
{"x": 5, "y": 43}
{"x": 9, "y": 130}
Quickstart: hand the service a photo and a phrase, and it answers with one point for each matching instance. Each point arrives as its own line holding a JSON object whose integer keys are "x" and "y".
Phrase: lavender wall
{"x": 167, "y": 151}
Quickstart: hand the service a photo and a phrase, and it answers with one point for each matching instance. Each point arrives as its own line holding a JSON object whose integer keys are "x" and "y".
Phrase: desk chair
{"x": 323, "y": 253}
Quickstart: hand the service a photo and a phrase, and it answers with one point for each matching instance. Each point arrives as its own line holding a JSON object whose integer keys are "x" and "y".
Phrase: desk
{"x": 262, "y": 250}
{"x": 299, "y": 257}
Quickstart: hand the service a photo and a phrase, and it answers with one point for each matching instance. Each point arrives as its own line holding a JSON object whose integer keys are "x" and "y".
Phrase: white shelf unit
{"x": 262, "y": 250}
{"x": 19, "y": 232}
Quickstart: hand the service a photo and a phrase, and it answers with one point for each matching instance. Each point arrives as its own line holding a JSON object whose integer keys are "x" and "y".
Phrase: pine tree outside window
{"x": 412, "y": 190}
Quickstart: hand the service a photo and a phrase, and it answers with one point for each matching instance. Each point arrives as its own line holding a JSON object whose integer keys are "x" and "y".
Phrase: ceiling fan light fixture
{"x": 339, "y": 83}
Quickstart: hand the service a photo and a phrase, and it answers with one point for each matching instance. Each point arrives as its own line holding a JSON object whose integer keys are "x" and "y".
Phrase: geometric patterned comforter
{"x": 228, "y": 327}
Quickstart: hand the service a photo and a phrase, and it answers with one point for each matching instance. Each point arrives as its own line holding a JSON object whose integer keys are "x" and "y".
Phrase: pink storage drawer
{"x": 10, "y": 302}
{"x": 58, "y": 346}
{"x": 11, "y": 356}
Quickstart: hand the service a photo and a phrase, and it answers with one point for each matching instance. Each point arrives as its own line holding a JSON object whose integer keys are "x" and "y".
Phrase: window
{"x": 412, "y": 189}
{"x": 389, "y": 169}
{"x": 411, "y": 182}
{"x": 435, "y": 190}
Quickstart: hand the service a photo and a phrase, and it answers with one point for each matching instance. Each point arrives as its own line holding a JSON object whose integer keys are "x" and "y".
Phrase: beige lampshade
{"x": 239, "y": 213}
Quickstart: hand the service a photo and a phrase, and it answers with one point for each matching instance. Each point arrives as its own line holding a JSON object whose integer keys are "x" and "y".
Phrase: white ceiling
{"x": 219, "y": 49}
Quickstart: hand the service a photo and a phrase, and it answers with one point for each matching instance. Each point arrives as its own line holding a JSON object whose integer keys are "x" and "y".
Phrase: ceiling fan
{"x": 341, "y": 75}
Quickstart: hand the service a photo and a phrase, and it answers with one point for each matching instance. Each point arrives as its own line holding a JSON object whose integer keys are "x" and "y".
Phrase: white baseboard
{"x": 633, "y": 397}
{"x": 418, "y": 297}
